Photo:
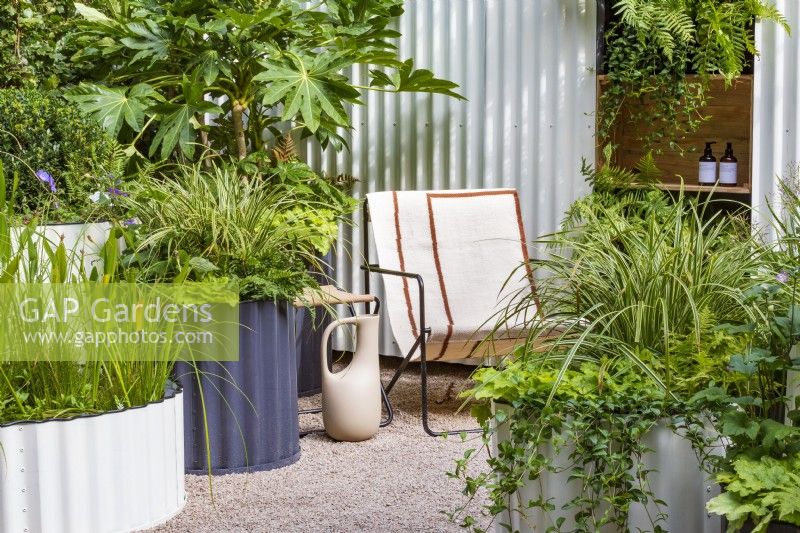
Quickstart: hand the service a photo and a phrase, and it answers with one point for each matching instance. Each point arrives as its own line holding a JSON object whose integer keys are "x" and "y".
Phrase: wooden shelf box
{"x": 730, "y": 111}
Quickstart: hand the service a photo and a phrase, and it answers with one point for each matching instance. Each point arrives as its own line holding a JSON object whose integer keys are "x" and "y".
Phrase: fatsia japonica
{"x": 221, "y": 74}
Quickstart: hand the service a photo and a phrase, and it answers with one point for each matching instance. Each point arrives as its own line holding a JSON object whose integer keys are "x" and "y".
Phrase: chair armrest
{"x": 379, "y": 270}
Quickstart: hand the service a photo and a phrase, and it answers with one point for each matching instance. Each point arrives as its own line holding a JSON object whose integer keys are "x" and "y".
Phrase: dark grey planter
{"x": 773, "y": 527}
{"x": 309, "y": 337}
{"x": 250, "y": 404}
{"x": 309, "y": 342}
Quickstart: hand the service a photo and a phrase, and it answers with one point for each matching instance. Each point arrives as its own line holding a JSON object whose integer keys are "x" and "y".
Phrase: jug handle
{"x": 326, "y": 337}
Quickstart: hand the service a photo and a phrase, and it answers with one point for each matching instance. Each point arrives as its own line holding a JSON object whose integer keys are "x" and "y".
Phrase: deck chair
{"x": 447, "y": 260}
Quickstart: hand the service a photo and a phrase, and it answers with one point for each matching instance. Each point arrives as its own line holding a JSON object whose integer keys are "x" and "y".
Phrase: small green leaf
{"x": 90, "y": 13}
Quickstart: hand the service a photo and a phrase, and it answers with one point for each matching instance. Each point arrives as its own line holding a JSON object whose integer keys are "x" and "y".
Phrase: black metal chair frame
{"x": 384, "y": 393}
{"x": 422, "y": 338}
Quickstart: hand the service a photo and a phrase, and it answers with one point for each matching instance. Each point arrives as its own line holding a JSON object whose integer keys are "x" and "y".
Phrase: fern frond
{"x": 284, "y": 150}
{"x": 648, "y": 170}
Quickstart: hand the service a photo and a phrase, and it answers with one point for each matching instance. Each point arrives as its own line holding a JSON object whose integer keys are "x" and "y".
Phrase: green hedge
{"x": 42, "y": 131}
{"x": 33, "y": 49}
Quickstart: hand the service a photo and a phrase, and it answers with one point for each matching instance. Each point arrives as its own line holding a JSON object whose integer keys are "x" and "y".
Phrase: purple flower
{"x": 129, "y": 222}
{"x": 113, "y": 191}
{"x": 783, "y": 277}
{"x": 45, "y": 177}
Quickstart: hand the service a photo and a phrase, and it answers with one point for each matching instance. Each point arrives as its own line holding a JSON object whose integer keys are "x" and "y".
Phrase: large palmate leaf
{"x": 149, "y": 39}
{"x": 310, "y": 87}
{"x": 408, "y": 79}
{"x": 179, "y": 120}
{"x": 114, "y": 106}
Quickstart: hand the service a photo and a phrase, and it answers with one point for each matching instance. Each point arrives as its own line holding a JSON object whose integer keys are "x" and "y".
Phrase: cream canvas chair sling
{"x": 449, "y": 260}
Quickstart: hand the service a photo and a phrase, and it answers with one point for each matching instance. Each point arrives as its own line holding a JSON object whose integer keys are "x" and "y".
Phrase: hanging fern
{"x": 666, "y": 24}
{"x": 650, "y": 45}
{"x": 720, "y": 32}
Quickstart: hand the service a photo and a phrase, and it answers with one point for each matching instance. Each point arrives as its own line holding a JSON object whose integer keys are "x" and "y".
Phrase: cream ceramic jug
{"x": 351, "y": 398}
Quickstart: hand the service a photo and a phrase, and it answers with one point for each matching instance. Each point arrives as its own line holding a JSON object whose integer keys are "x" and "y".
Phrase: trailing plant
{"x": 623, "y": 335}
{"x": 589, "y": 434}
{"x": 164, "y": 67}
{"x": 226, "y": 226}
{"x": 56, "y": 157}
{"x": 651, "y": 44}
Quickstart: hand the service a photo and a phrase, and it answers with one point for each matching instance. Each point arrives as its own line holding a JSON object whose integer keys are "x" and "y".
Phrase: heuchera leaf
{"x": 738, "y": 423}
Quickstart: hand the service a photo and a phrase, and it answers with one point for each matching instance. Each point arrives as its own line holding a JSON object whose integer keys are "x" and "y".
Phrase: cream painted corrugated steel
{"x": 527, "y": 70}
{"x": 776, "y": 108}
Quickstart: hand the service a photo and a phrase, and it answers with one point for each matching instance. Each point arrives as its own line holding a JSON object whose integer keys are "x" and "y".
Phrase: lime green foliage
{"x": 522, "y": 378}
{"x": 273, "y": 62}
{"x": 321, "y": 205}
{"x": 238, "y": 227}
{"x": 33, "y": 48}
{"x": 649, "y": 49}
{"x": 761, "y": 490}
{"x": 701, "y": 359}
{"x": 42, "y": 131}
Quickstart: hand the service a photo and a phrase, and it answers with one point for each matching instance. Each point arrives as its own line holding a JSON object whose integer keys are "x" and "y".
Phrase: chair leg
{"x": 423, "y": 371}
{"x": 404, "y": 363}
{"x": 389, "y": 412}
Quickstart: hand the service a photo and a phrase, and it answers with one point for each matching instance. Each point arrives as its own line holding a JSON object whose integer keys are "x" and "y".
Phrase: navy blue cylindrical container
{"x": 309, "y": 336}
{"x": 250, "y": 404}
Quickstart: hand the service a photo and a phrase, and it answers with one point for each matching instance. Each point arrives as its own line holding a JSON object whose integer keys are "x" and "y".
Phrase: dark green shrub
{"x": 34, "y": 51}
{"x": 42, "y": 131}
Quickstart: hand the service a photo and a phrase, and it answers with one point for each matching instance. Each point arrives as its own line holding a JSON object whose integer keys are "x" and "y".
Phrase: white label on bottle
{"x": 727, "y": 173}
{"x": 708, "y": 172}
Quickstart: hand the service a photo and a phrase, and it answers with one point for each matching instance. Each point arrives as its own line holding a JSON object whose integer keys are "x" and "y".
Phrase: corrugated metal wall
{"x": 527, "y": 70}
{"x": 776, "y": 108}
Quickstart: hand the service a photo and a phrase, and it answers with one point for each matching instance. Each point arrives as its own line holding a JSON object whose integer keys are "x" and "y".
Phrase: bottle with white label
{"x": 708, "y": 166}
{"x": 728, "y": 167}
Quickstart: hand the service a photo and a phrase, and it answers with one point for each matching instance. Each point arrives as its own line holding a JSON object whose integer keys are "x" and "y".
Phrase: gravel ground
{"x": 393, "y": 482}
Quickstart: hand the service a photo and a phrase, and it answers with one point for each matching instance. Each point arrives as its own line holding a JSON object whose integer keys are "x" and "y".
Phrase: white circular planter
{"x": 676, "y": 477}
{"x": 117, "y": 471}
{"x": 83, "y": 242}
